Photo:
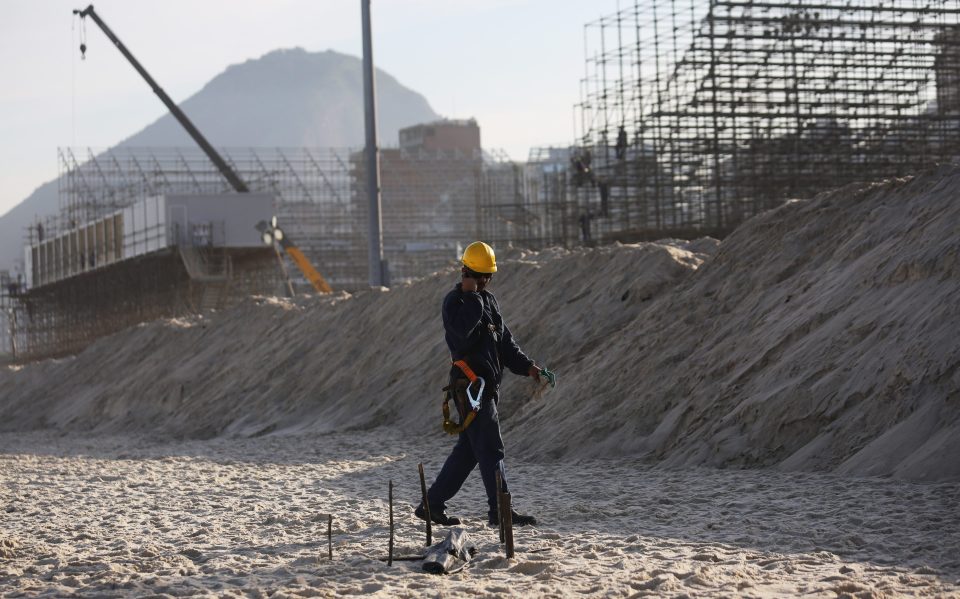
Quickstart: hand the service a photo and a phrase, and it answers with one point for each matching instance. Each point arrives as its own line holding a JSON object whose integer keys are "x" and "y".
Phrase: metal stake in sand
{"x": 507, "y": 522}
{"x": 330, "y": 537}
{"x": 500, "y": 504}
{"x": 390, "y": 552}
{"x": 426, "y": 504}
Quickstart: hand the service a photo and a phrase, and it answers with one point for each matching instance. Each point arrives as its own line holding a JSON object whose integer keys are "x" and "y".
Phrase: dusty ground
{"x": 117, "y": 516}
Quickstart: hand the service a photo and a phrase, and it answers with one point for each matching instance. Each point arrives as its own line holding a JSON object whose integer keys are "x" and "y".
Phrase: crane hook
{"x": 83, "y": 32}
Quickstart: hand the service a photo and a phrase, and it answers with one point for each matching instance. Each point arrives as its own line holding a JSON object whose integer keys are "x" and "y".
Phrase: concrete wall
{"x": 144, "y": 227}
{"x": 225, "y": 220}
{"x": 148, "y": 226}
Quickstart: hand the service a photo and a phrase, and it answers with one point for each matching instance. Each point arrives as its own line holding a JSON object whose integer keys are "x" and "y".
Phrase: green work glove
{"x": 550, "y": 376}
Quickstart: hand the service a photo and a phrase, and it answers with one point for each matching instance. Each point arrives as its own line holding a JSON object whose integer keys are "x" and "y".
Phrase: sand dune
{"x": 820, "y": 336}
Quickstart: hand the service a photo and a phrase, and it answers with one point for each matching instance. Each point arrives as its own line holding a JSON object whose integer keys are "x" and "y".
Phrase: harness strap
{"x": 463, "y": 366}
{"x": 449, "y": 425}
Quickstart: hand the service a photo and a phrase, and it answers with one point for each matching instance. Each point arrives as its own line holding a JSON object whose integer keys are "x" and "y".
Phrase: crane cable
{"x": 73, "y": 73}
{"x": 83, "y": 38}
{"x": 73, "y": 84}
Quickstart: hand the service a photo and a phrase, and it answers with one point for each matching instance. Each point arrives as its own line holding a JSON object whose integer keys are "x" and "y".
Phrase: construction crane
{"x": 228, "y": 173}
{"x": 273, "y": 233}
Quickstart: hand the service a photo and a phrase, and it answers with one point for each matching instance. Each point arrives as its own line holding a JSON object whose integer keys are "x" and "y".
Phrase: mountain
{"x": 285, "y": 98}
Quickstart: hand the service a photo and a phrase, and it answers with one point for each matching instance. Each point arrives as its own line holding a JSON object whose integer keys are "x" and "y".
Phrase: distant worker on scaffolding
{"x": 582, "y": 172}
{"x": 621, "y": 148}
{"x": 480, "y": 346}
{"x": 585, "y": 226}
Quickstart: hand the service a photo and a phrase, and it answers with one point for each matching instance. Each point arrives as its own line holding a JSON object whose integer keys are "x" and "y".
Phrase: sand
{"x": 113, "y": 516}
{"x": 777, "y": 414}
{"x": 820, "y": 336}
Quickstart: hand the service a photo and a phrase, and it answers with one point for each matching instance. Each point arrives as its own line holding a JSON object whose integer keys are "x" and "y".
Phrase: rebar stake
{"x": 500, "y": 504}
{"x": 426, "y": 504}
{"x": 390, "y": 553}
{"x": 508, "y": 524}
{"x": 330, "y": 537}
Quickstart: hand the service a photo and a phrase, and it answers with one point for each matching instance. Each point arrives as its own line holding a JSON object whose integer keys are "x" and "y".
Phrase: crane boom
{"x": 229, "y": 174}
{"x": 315, "y": 278}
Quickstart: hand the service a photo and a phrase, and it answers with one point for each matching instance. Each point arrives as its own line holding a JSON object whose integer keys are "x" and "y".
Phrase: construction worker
{"x": 478, "y": 339}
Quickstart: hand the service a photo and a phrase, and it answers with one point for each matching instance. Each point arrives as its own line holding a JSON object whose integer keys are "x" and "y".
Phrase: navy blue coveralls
{"x": 476, "y": 333}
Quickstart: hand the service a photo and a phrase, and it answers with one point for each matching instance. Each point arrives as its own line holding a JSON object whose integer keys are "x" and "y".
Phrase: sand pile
{"x": 822, "y": 336}
{"x": 321, "y": 364}
{"x": 819, "y": 336}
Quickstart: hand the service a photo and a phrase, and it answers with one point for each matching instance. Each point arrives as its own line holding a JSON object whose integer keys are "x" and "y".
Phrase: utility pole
{"x": 372, "y": 151}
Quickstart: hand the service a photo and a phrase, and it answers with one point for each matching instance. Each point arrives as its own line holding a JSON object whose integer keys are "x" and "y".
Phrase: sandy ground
{"x": 118, "y": 516}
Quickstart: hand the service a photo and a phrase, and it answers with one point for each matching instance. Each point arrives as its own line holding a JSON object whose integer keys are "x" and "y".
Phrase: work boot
{"x": 518, "y": 519}
{"x": 436, "y": 516}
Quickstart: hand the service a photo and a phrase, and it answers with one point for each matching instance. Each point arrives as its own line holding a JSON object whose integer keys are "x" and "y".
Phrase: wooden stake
{"x": 330, "y": 537}
{"x": 500, "y": 504}
{"x": 390, "y": 553}
{"x": 508, "y": 524}
{"x": 426, "y": 504}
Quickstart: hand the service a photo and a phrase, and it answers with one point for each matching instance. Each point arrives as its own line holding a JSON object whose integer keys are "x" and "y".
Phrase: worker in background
{"x": 477, "y": 335}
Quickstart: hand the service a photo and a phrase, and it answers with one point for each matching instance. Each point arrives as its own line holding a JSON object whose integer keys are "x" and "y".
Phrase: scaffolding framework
{"x": 64, "y": 317}
{"x": 434, "y": 202}
{"x": 698, "y": 114}
{"x": 431, "y": 198}
{"x": 9, "y": 288}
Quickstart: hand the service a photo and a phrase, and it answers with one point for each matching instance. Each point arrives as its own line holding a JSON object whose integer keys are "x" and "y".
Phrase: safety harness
{"x": 467, "y": 409}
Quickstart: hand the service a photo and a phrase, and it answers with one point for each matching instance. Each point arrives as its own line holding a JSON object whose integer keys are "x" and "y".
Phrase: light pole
{"x": 372, "y": 151}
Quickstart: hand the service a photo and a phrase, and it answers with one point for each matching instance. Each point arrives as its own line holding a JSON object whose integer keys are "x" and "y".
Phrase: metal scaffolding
{"x": 698, "y": 114}
{"x": 429, "y": 200}
{"x": 431, "y": 206}
{"x": 9, "y": 288}
{"x": 64, "y": 317}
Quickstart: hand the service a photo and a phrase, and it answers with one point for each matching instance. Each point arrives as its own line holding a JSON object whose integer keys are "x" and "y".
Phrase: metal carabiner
{"x": 475, "y": 401}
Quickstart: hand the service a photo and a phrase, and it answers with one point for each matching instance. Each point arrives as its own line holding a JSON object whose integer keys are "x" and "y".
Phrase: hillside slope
{"x": 290, "y": 98}
{"x": 819, "y": 336}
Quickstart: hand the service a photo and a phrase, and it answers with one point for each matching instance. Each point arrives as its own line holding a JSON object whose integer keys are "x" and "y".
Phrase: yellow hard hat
{"x": 479, "y": 257}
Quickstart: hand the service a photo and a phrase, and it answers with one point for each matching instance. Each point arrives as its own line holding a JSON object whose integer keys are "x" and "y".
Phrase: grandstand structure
{"x": 696, "y": 114}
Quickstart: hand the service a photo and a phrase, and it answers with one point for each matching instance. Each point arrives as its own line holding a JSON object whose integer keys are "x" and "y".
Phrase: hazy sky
{"x": 514, "y": 65}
